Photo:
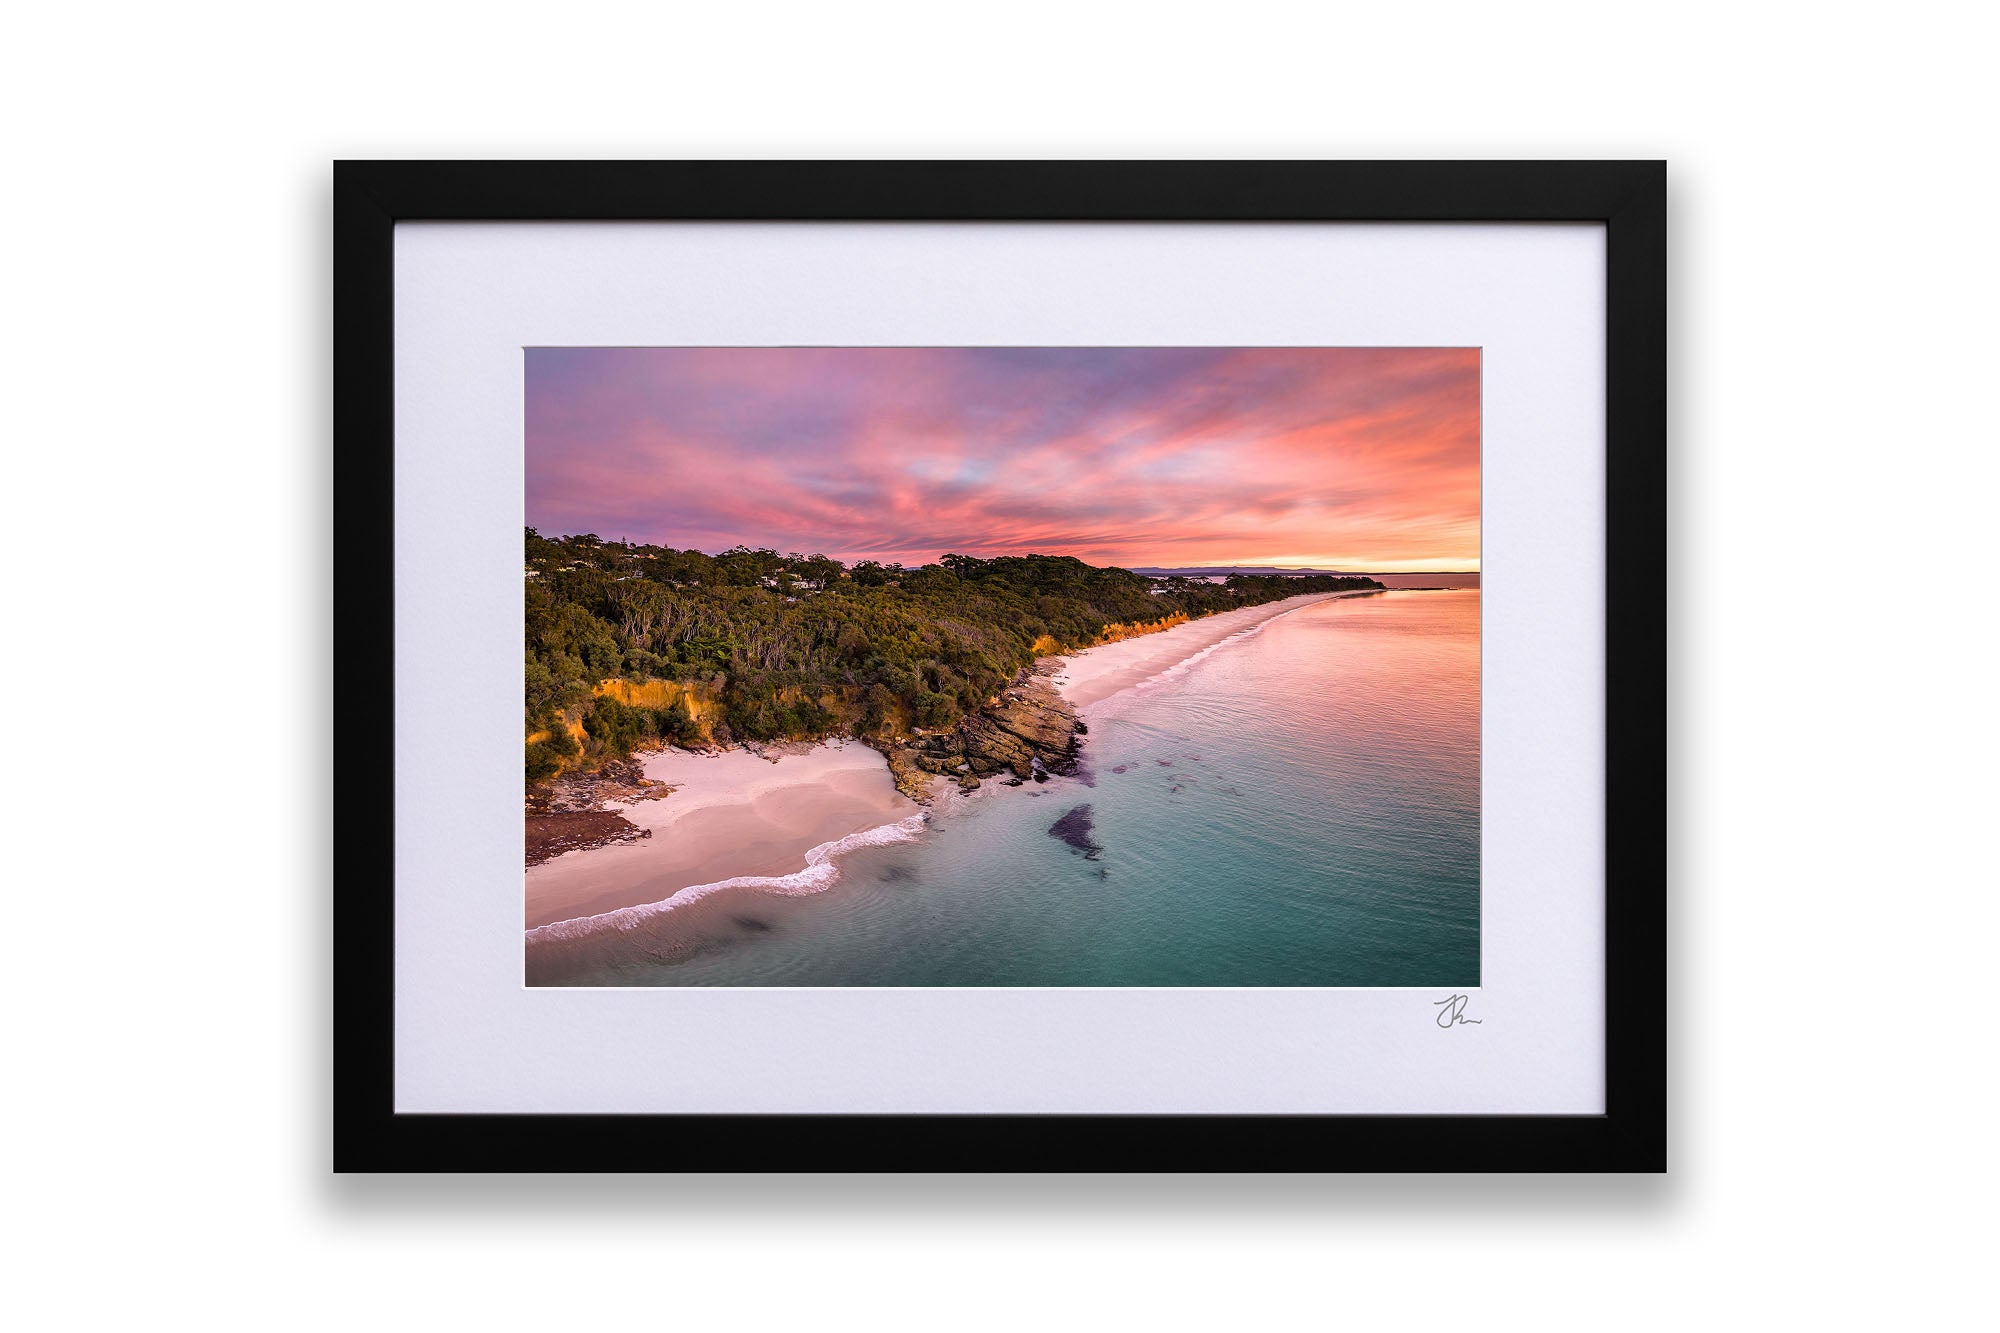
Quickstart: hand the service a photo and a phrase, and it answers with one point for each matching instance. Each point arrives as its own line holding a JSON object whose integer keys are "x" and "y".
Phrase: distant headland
{"x": 1278, "y": 571}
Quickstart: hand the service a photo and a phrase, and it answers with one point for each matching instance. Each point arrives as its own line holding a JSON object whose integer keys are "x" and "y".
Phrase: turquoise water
{"x": 1297, "y": 807}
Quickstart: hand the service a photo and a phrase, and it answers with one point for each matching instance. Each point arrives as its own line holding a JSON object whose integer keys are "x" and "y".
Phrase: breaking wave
{"x": 819, "y": 874}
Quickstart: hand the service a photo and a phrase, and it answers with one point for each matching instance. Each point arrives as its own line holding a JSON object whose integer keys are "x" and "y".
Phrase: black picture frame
{"x": 1628, "y": 198}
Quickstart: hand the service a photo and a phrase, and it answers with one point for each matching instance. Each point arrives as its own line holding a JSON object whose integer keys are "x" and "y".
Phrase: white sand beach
{"x": 1098, "y": 673}
{"x": 733, "y": 815}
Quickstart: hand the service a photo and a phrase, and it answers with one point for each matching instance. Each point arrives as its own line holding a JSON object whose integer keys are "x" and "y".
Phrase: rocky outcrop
{"x": 910, "y": 779}
{"x": 1030, "y": 733}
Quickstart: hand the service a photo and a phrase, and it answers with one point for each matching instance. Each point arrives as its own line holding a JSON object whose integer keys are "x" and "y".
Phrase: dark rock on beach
{"x": 587, "y": 792}
{"x": 550, "y": 835}
{"x": 568, "y": 814}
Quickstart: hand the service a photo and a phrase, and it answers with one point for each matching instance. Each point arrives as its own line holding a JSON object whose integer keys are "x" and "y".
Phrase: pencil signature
{"x": 1454, "y": 1011}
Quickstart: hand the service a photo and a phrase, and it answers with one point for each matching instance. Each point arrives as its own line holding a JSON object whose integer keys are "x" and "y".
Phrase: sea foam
{"x": 820, "y": 874}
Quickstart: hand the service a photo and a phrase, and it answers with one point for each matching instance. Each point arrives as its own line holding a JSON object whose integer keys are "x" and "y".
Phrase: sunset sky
{"x": 1358, "y": 459}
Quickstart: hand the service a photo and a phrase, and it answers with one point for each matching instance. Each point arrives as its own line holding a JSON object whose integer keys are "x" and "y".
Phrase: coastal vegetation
{"x": 632, "y": 645}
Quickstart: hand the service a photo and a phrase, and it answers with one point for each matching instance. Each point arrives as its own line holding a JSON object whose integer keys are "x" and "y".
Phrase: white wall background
{"x": 167, "y": 536}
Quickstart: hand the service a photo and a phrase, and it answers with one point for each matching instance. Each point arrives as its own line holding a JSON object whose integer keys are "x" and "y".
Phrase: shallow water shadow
{"x": 1075, "y": 828}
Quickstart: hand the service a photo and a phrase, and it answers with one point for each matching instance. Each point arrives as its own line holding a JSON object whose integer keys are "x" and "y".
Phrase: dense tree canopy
{"x": 800, "y": 646}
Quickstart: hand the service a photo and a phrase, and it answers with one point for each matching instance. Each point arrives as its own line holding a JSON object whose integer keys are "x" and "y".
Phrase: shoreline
{"x": 743, "y": 822}
{"x": 734, "y": 815}
{"x": 1095, "y": 674}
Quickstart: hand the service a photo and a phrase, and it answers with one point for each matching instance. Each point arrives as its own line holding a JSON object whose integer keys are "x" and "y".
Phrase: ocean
{"x": 1296, "y": 806}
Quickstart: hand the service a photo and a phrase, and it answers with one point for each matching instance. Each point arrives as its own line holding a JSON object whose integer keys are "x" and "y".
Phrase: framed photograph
{"x": 1163, "y": 661}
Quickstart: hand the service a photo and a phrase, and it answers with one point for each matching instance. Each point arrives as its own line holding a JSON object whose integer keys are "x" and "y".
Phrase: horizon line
{"x": 1350, "y": 567}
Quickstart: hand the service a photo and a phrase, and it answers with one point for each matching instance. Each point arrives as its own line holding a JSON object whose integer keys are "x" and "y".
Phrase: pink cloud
{"x": 1351, "y": 458}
